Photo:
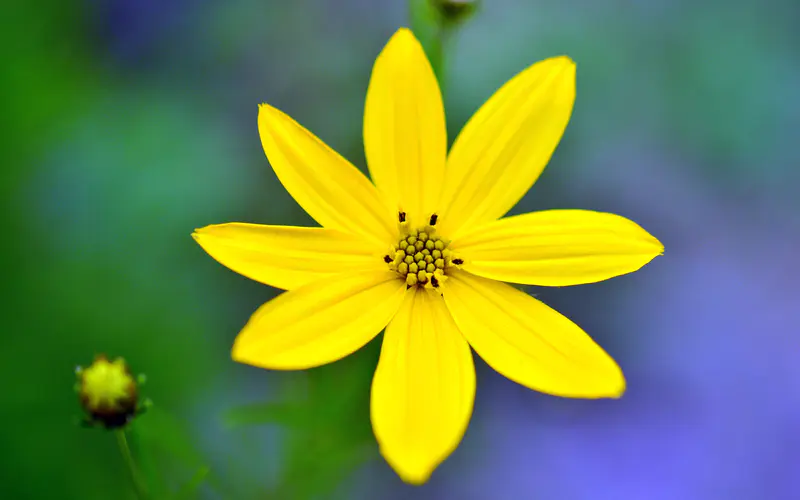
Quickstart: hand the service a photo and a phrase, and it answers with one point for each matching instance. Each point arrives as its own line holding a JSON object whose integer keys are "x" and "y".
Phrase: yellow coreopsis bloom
{"x": 423, "y": 252}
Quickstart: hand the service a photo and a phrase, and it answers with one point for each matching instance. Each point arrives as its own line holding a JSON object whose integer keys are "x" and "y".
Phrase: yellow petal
{"x": 557, "y": 248}
{"x": 287, "y": 257}
{"x": 506, "y": 145}
{"x": 404, "y": 128}
{"x": 326, "y": 185}
{"x": 423, "y": 389}
{"x": 528, "y": 342}
{"x": 321, "y": 322}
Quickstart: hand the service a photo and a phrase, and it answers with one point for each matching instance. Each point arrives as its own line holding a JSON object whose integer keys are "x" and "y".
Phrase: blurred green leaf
{"x": 189, "y": 490}
{"x": 146, "y": 458}
{"x": 165, "y": 448}
{"x": 319, "y": 458}
{"x": 325, "y": 415}
{"x": 160, "y": 430}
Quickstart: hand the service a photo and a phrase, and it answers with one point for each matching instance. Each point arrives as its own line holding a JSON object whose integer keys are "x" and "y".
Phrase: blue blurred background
{"x": 128, "y": 123}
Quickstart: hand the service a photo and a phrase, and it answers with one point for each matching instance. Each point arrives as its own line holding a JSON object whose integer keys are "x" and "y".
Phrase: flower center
{"x": 421, "y": 256}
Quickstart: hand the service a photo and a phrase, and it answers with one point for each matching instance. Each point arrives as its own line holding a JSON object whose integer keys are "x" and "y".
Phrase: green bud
{"x": 455, "y": 11}
{"x": 108, "y": 392}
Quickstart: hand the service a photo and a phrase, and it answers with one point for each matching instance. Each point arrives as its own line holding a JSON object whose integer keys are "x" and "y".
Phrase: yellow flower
{"x": 422, "y": 253}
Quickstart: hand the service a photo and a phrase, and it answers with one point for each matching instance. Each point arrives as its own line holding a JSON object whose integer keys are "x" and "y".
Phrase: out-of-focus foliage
{"x": 325, "y": 415}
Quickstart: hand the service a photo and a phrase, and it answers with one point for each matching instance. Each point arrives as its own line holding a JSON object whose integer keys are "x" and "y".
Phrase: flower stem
{"x": 136, "y": 478}
{"x": 439, "y": 45}
{"x": 429, "y": 27}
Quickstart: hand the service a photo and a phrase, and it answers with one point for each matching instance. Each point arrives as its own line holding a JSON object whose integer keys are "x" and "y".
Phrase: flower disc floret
{"x": 421, "y": 256}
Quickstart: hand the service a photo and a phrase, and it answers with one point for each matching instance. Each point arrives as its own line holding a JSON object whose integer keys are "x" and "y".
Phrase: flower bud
{"x": 108, "y": 392}
{"x": 455, "y": 11}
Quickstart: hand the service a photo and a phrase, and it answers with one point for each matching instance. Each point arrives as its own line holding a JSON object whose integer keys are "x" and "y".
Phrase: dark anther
{"x": 387, "y": 259}
{"x": 434, "y": 282}
{"x": 458, "y": 262}
{"x": 434, "y": 217}
{"x": 402, "y": 216}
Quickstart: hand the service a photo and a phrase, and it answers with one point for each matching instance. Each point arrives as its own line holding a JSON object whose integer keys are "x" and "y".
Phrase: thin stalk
{"x": 439, "y": 45}
{"x": 430, "y": 28}
{"x": 136, "y": 478}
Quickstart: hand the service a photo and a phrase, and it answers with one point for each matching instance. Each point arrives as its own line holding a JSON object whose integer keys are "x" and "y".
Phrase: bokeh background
{"x": 128, "y": 123}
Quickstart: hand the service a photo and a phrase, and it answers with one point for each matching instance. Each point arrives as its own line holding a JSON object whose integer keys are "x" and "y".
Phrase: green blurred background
{"x": 128, "y": 123}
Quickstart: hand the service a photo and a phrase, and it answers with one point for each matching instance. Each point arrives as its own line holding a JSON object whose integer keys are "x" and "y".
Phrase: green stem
{"x": 136, "y": 478}
{"x": 431, "y": 29}
{"x": 439, "y": 45}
